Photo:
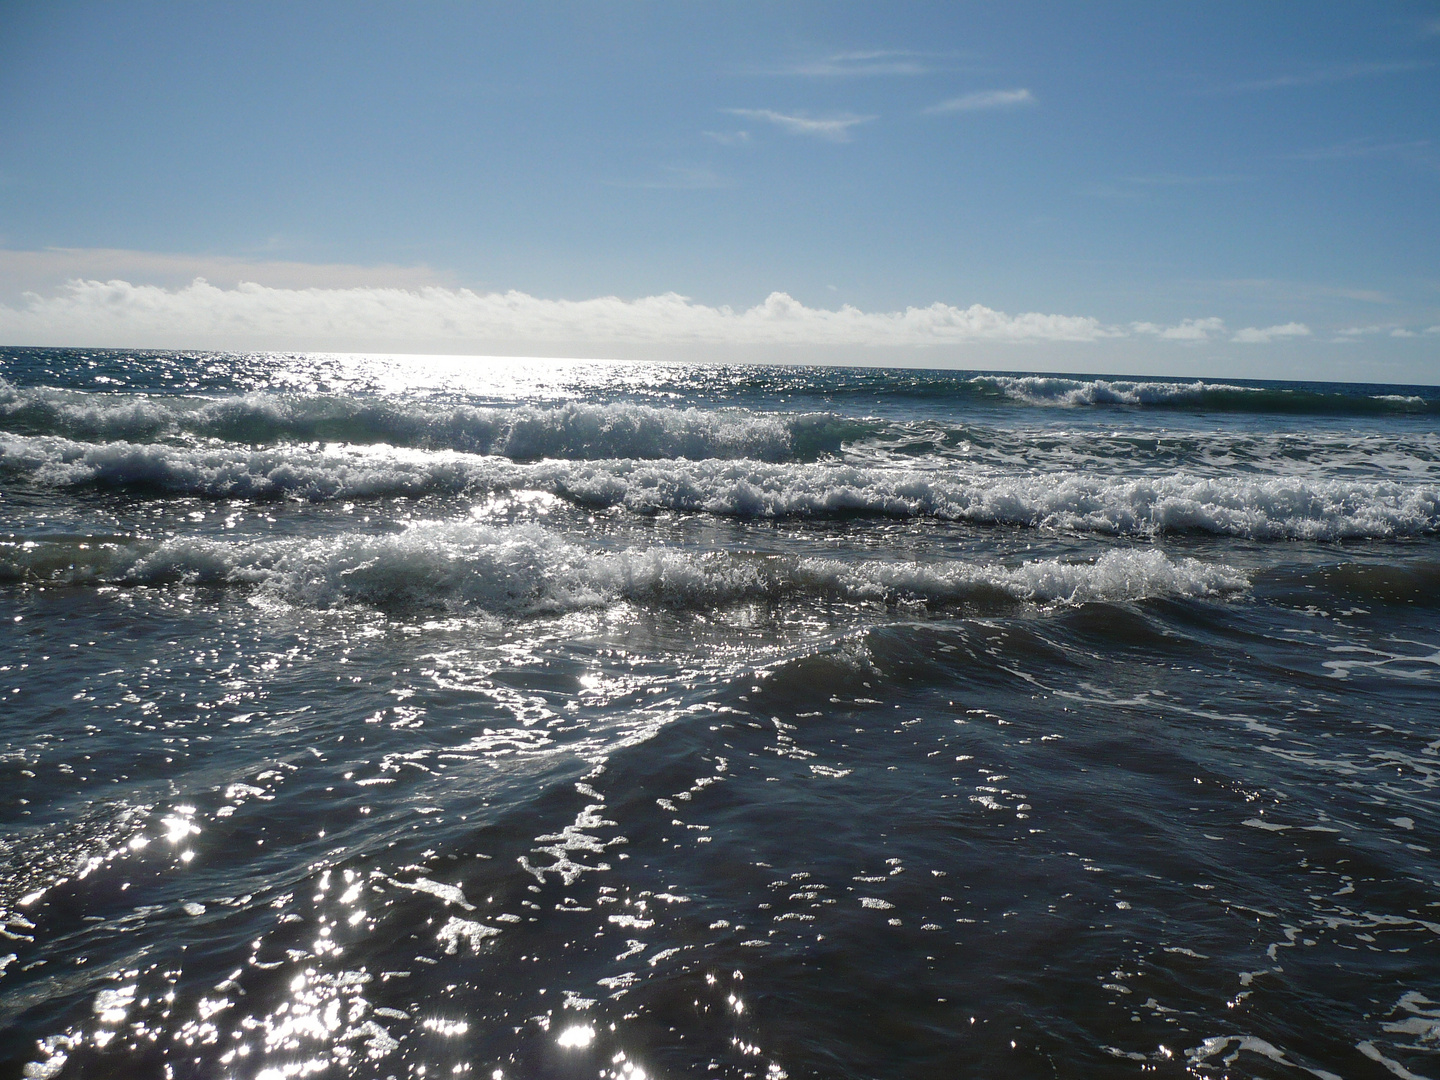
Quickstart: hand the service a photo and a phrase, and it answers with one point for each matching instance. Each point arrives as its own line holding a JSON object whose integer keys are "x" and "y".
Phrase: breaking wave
{"x": 1260, "y": 508}
{"x": 1049, "y": 390}
{"x": 522, "y": 433}
{"x": 528, "y": 570}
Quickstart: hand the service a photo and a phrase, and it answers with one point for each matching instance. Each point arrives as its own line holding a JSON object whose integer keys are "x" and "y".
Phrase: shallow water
{"x": 403, "y": 717}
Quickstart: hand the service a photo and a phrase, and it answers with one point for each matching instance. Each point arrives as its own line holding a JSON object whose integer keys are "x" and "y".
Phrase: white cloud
{"x": 201, "y": 315}
{"x": 407, "y": 310}
{"x": 847, "y": 64}
{"x": 984, "y": 99}
{"x": 1354, "y": 333}
{"x": 1319, "y": 76}
{"x": 1432, "y": 330}
{"x": 1185, "y": 330}
{"x": 728, "y": 138}
{"x": 833, "y": 128}
{"x": 1253, "y": 335}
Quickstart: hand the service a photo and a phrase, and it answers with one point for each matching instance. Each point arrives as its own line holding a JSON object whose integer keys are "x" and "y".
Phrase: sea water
{"x": 418, "y": 717}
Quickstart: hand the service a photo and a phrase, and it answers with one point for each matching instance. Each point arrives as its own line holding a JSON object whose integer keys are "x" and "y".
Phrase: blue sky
{"x": 1198, "y": 188}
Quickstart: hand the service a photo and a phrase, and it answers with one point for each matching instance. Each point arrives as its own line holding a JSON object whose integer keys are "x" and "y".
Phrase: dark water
{"x": 388, "y": 717}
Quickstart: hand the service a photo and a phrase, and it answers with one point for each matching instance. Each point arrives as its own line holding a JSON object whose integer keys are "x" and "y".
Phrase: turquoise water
{"x": 388, "y": 716}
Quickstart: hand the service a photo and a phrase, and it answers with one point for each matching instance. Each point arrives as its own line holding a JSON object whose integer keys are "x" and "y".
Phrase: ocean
{"x": 416, "y": 717}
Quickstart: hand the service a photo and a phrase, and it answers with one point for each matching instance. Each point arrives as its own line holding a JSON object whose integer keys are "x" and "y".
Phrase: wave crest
{"x": 1258, "y": 508}
{"x": 1057, "y": 391}
{"x": 521, "y": 433}
{"x": 527, "y": 570}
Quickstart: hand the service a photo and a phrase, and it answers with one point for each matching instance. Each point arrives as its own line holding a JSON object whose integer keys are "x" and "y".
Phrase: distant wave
{"x": 527, "y": 570}
{"x": 579, "y": 432}
{"x": 1069, "y": 392}
{"x": 1261, "y": 508}
{"x": 1048, "y": 390}
{"x": 522, "y": 433}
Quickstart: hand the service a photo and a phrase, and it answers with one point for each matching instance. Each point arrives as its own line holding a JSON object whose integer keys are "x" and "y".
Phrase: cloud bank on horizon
{"x": 250, "y": 315}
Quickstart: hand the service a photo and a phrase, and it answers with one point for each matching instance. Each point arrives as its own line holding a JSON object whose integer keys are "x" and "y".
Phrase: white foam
{"x": 456, "y": 930}
{"x": 1057, "y": 391}
{"x": 1072, "y": 393}
{"x": 1259, "y": 508}
{"x": 1217, "y": 1045}
{"x": 522, "y": 432}
{"x": 1255, "y": 507}
{"x": 449, "y": 894}
{"x": 528, "y": 570}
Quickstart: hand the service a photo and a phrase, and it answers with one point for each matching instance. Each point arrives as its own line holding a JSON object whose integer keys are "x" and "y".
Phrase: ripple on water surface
{"x": 631, "y": 862}
{"x": 377, "y": 717}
